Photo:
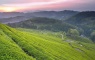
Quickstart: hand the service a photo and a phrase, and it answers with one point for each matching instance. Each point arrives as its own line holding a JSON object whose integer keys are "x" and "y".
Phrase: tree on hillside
{"x": 93, "y": 35}
{"x": 73, "y": 32}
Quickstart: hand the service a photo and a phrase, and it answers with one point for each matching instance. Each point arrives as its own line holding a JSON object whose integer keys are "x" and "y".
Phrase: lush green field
{"x": 25, "y": 44}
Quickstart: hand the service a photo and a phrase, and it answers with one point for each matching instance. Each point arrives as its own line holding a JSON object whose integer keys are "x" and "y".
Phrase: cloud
{"x": 24, "y": 5}
{"x": 35, "y": 3}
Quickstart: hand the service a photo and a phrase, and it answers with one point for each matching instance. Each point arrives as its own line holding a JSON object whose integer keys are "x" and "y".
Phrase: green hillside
{"x": 22, "y": 44}
{"x": 42, "y": 23}
{"x": 84, "y": 20}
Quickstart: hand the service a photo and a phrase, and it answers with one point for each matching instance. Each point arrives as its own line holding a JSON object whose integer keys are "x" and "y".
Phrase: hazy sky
{"x": 33, "y": 5}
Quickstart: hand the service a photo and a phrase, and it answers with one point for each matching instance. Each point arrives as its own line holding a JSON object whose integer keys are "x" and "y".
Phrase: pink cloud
{"x": 23, "y": 5}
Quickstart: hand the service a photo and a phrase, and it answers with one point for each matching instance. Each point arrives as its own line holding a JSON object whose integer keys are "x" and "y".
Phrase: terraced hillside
{"x": 35, "y": 45}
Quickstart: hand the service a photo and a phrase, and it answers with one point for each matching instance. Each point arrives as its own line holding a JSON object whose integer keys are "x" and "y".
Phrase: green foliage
{"x": 75, "y": 35}
{"x": 9, "y": 50}
{"x": 93, "y": 36}
{"x": 44, "y": 24}
{"x": 37, "y": 45}
{"x": 73, "y": 32}
{"x": 85, "y": 21}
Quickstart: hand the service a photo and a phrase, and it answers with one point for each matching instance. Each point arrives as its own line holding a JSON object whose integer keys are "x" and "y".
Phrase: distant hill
{"x": 82, "y": 17}
{"x": 84, "y": 20}
{"x": 38, "y": 45}
{"x": 12, "y": 17}
{"x": 10, "y": 14}
{"x": 42, "y": 23}
{"x": 55, "y": 14}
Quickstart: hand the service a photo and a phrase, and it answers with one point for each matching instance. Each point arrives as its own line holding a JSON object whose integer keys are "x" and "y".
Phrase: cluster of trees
{"x": 73, "y": 32}
{"x": 76, "y": 35}
{"x": 93, "y": 35}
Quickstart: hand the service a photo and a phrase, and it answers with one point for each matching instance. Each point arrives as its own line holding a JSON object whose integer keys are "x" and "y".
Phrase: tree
{"x": 73, "y": 32}
{"x": 93, "y": 36}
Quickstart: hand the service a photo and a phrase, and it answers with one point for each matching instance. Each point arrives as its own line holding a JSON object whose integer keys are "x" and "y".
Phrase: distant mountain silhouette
{"x": 54, "y": 14}
{"x": 12, "y": 17}
{"x": 10, "y": 14}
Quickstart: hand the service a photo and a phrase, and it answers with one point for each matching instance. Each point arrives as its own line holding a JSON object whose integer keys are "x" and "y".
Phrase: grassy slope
{"x": 17, "y": 45}
{"x": 9, "y": 50}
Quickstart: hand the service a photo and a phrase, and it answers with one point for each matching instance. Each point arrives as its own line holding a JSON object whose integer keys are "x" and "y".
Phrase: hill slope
{"x": 42, "y": 23}
{"x": 84, "y": 20}
{"x": 82, "y": 17}
{"x": 17, "y": 45}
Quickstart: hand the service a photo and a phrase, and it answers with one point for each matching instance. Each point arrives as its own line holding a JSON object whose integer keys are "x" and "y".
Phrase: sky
{"x": 39, "y": 5}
